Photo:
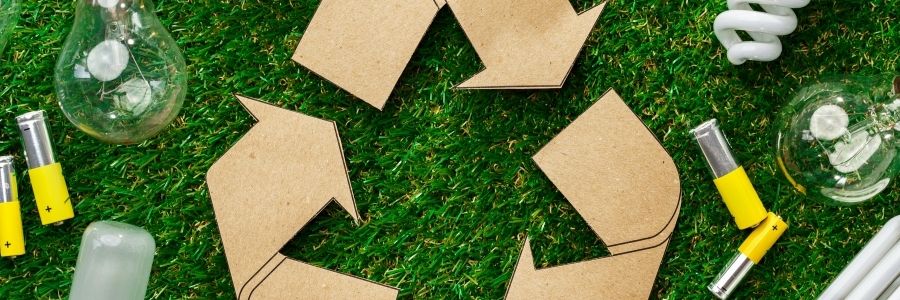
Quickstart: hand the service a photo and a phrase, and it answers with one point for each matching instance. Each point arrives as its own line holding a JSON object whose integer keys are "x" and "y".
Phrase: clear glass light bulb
{"x": 836, "y": 139}
{"x": 9, "y": 14}
{"x": 120, "y": 77}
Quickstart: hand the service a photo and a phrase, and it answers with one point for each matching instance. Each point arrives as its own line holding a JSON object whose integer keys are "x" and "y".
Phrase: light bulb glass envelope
{"x": 120, "y": 76}
{"x": 9, "y": 14}
{"x": 113, "y": 263}
{"x": 837, "y": 139}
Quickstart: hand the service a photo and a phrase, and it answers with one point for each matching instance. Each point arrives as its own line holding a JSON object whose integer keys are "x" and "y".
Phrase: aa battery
{"x": 50, "y": 191}
{"x": 12, "y": 237}
{"x": 731, "y": 180}
{"x": 749, "y": 254}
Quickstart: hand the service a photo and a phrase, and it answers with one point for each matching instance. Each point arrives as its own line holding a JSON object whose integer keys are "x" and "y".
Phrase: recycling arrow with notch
{"x": 626, "y": 187}
{"x": 267, "y": 187}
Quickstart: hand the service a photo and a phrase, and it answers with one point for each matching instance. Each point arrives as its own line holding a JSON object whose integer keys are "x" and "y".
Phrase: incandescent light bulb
{"x": 120, "y": 77}
{"x": 838, "y": 139}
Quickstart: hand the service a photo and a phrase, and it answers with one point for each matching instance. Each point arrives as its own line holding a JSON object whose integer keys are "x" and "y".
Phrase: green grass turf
{"x": 443, "y": 178}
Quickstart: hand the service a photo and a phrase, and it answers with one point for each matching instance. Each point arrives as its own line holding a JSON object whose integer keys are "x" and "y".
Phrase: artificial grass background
{"x": 443, "y": 178}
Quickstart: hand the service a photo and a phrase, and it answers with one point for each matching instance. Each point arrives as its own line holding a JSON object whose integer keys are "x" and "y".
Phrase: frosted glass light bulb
{"x": 9, "y": 14}
{"x": 114, "y": 262}
{"x": 120, "y": 77}
{"x": 838, "y": 139}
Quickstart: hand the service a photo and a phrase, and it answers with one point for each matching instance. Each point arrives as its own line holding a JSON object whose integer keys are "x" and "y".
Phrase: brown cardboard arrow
{"x": 524, "y": 44}
{"x": 267, "y": 187}
{"x": 363, "y": 46}
{"x": 620, "y": 179}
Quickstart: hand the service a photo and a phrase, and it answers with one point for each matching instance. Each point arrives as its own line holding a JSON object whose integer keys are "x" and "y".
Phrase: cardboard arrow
{"x": 267, "y": 187}
{"x": 624, "y": 184}
{"x": 363, "y": 46}
{"x": 524, "y": 44}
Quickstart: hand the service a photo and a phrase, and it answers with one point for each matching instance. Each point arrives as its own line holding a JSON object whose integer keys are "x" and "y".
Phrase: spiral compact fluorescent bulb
{"x": 764, "y": 27}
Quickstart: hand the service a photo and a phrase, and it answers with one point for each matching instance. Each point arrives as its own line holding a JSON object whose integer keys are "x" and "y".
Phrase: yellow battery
{"x": 12, "y": 239}
{"x": 749, "y": 254}
{"x": 51, "y": 194}
{"x": 741, "y": 199}
{"x": 763, "y": 238}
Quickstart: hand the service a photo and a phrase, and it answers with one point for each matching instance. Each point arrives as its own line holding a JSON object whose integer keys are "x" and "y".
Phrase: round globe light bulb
{"x": 837, "y": 139}
{"x": 120, "y": 77}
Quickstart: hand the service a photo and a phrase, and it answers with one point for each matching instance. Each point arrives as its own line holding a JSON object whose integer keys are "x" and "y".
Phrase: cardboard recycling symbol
{"x": 289, "y": 166}
{"x": 363, "y": 46}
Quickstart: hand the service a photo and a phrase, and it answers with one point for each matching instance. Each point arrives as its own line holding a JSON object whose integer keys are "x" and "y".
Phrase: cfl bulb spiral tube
{"x": 764, "y": 27}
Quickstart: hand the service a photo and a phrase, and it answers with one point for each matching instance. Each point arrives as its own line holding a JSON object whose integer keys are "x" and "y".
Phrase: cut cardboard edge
{"x": 641, "y": 244}
{"x": 376, "y": 103}
{"x": 527, "y": 241}
{"x": 355, "y": 213}
{"x": 649, "y": 243}
{"x": 285, "y": 257}
{"x": 526, "y": 246}
{"x": 247, "y": 104}
{"x": 659, "y": 143}
{"x": 458, "y": 86}
{"x": 268, "y": 262}
{"x": 349, "y": 275}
